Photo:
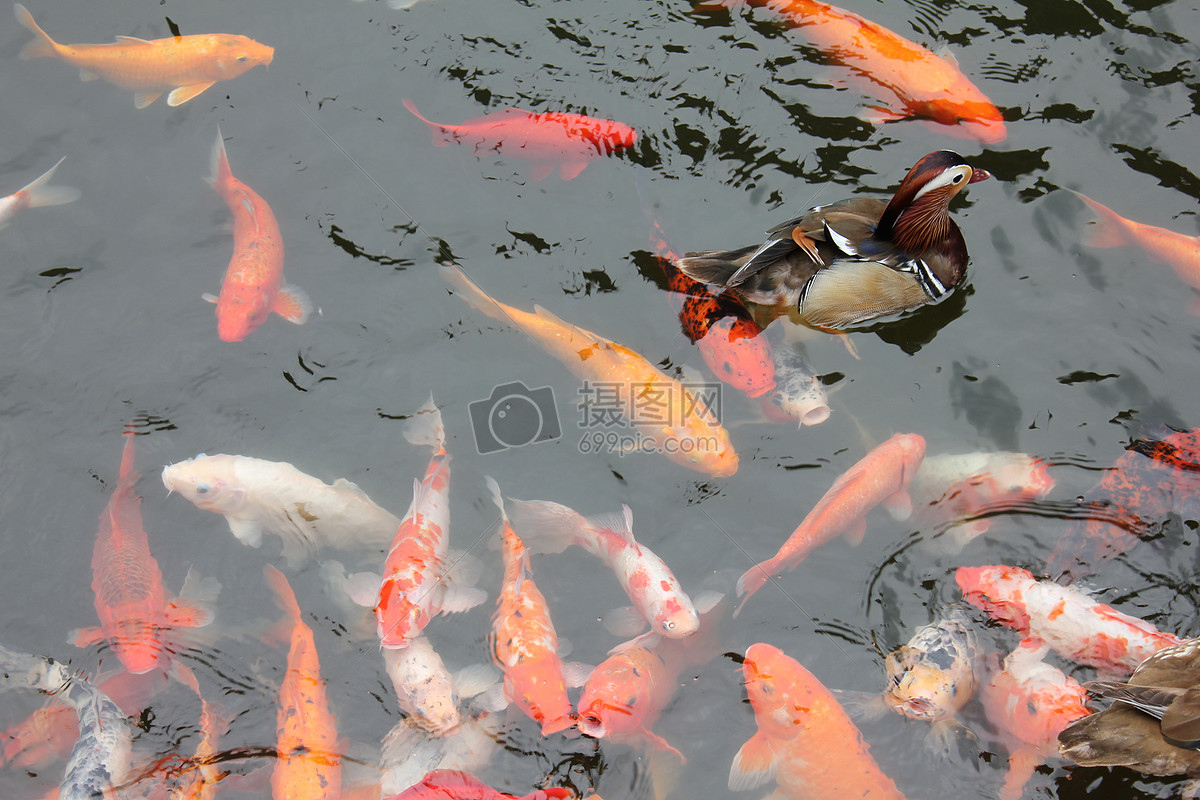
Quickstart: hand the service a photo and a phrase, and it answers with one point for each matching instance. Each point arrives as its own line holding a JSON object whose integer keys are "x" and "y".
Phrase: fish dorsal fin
{"x": 129, "y": 40}
{"x": 619, "y": 523}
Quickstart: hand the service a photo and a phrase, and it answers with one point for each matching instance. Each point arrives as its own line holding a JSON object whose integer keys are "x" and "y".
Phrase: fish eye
{"x": 242, "y": 59}
{"x": 668, "y": 625}
{"x": 202, "y": 488}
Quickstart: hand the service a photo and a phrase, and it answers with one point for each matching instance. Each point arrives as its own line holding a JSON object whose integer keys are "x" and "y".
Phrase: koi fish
{"x": 655, "y": 592}
{"x": 308, "y": 762}
{"x": 35, "y": 194}
{"x": 805, "y": 740}
{"x": 880, "y": 477}
{"x": 907, "y": 78}
{"x": 257, "y": 496}
{"x": 934, "y": 675}
{"x": 691, "y": 435}
{"x": 1180, "y": 252}
{"x": 721, "y": 327}
{"x": 1070, "y": 622}
{"x": 409, "y": 753}
{"x": 426, "y": 691}
{"x": 187, "y": 65}
{"x": 201, "y": 774}
{"x": 956, "y": 493}
{"x": 525, "y": 644}
{"x": 253, "y": 285}
{"x": 626, "y": 693}
{"x": 100, "y": 759}
{"x": 549, "y": 139}
{"x": 414, "y": 589}
{"x": 1030, "y": 702}
{"x": 799, "y": 396}
{"x": 1145, "y": 484}
{"x": 444, "y": 783}
{"x": 136, "y": 617}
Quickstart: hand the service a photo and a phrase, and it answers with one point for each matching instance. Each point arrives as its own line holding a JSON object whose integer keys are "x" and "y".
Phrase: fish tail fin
{"x": 39, "y": 193}
{"x": 127, "y": 475}
{"x": 751, "y": 581}
{"x": 284, "y": 596}
{"x": 546, "y": 527}
{"x": 221, "y": 173}
{"x": 425, "y": 427}
{"x": 1108, "y": 230}
{"x": 1021, "y": 765}
{"x": 40, "y": 47}
{"x": 441, "y": 136}
{"x": 476, "y": 297}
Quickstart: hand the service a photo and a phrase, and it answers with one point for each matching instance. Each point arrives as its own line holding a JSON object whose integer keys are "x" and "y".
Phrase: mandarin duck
{"x": 854, "y": 260}
{"x": 1154, "y": 725}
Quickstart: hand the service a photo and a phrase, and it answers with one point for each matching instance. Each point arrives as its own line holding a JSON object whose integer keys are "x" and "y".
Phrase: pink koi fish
{"x": 137, "y": 619}
{"x": 253, "y": 286}
{"x": 1030, "y": 702}
{"x": 1070, "y": 622}
{"x": 549, "y": 139}
{"x": 881, "y": 476}
{"x": 446, "y": 784}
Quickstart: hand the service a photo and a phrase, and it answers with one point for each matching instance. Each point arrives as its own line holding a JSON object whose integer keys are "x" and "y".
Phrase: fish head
{"x": 676, "y": 617}
{"x": 702, "y": 444}
{"x": 207, "y": 481}
{"x": 920, "y": 687}
{"x": 1031, "y": 700}
{"x": 782, "y": 692}
{"x": 240, "y": 310}
{"x": 617, "y": 696}
{"x": 996, "y": 590}
{"x": 237, "y": 54}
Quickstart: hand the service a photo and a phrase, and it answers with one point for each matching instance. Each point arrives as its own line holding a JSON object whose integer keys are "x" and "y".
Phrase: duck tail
{"x": 715, "y": 266}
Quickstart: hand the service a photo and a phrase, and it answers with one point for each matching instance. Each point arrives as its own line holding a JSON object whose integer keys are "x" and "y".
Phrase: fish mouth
{"x": 591, "y": 724}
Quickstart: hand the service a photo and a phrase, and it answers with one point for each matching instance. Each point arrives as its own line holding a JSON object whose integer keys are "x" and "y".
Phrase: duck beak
{"x": 978, "y": 175}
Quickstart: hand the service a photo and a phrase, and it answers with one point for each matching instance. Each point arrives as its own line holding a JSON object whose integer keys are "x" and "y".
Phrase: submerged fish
{"x": 805, "y": 740}
{"x": 187, "y": 65}
{"x": 548, "y": 139}
{"x": 1030, "y": 703}
{"x": 907, "y": 78}
{"x": 253, "y": 287}
{"x": 1070, "y": 622}
{"x": 35, "y": 194}
{"x": 409, "y": 752}
{"x": 443, "y": 783}
{"x": 426, "y": 691}
{"x": 257, "y": 497}
{"x": 659, "y": 407}
{"x": 799, "y": 396}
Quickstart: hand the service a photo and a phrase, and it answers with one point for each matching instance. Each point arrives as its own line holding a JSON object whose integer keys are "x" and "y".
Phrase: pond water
{"x": 1052, "y": 348}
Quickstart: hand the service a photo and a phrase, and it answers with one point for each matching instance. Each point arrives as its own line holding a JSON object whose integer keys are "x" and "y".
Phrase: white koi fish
{"x": 426, "y": 691}
{"x": 257, "y": 496}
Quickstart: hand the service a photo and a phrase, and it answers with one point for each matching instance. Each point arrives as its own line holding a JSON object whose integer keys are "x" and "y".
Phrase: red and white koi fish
{"x": 253, "y": 285}
{"x": 414, "y": 588}
{"x": 1030, "y": 702}
{"x": 309, "y": 762}
{"x": 549, "y": 139}
{"x": 880, "y": 477}
{"x": 729, "y": 339}
{"x": 655, "y": 592}
{"x": 1070, "y": 622}
{"x": 187, "y": 65}
{"x": 805, "y": 740}
{"x": 525, "y": 644}
{"x": 1180, "y": 252}
{"x": 626, "y": 693}
{"x": 443, "y": 783}
{"x": 257, "y": 496}
{"x": 909, "y": 79}
{"x": 955, "y": 493}
{"x": 136, "y": 617}
{"x": 35, "y": 194}
{"x": 674, "y": 419}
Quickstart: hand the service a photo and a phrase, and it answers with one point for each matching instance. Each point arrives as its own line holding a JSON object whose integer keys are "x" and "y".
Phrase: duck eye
{"x": 958, "y": 178}
{"x": 202, "y": 488}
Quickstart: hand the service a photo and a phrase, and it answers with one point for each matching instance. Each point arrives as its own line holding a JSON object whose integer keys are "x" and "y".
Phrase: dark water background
{"x": 1051, "y": 348}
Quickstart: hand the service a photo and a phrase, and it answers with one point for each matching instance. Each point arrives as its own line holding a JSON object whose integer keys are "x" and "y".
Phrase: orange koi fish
{"x": 253, "y": 285}
{"x": 136, "y": 617}
{"x": 881, "y": 476}
{"x": 35, "y": 194}
{"x": 448, "y": 784}
{"x": 413, "y": 589}
{"x": 187, "y": 65}
{"x": 720, "y": 326}
{"x": 309, "y": 765}
{"x": 1181, "y": 252}
{"x": 910, "y": 79}
{"x": 626, "y": 693}
{"x": 549, "y": 140}
{"x": 805, "y": 740}
{"x": 675, "y": 421}
{"x": 525, "y": 644}
{"x": 1030, "y": 703}
{"x": 1070, "y": 622}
